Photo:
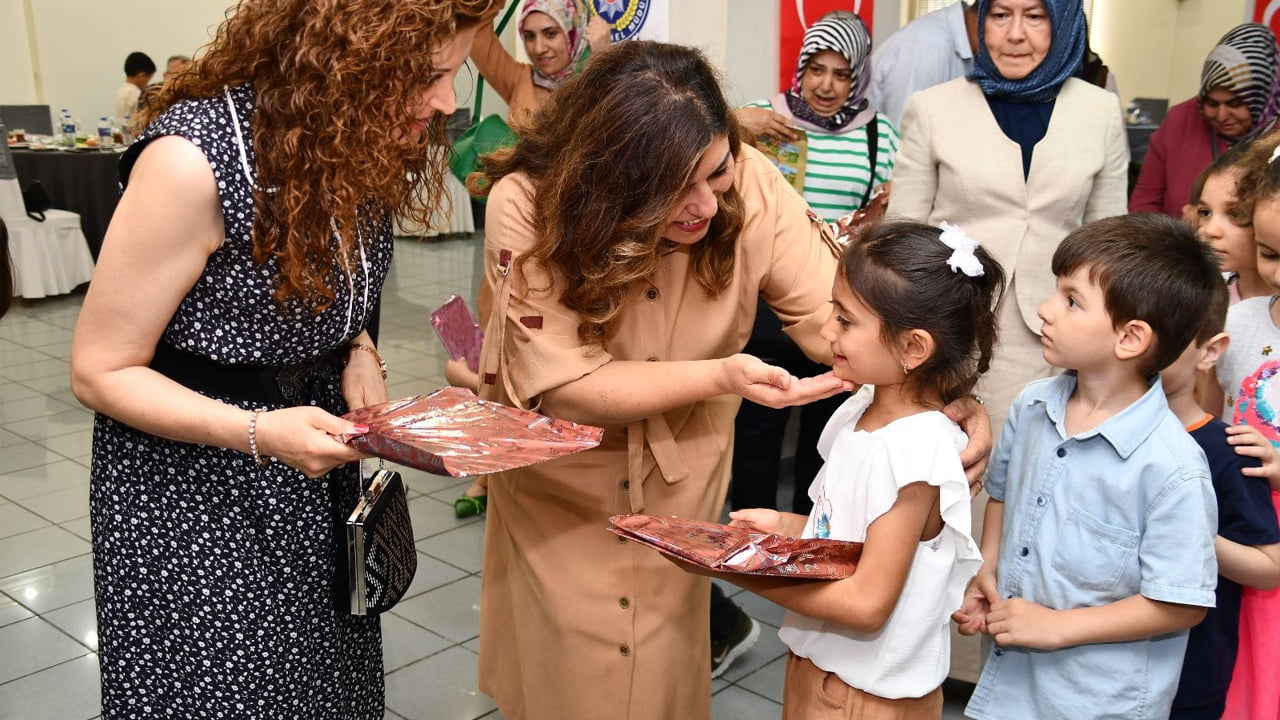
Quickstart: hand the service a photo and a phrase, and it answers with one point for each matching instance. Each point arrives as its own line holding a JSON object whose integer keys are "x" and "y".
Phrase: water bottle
{"x": 104, "y": 132}
{"x": 81, "y": 133}
{"x": 66, "y": 129}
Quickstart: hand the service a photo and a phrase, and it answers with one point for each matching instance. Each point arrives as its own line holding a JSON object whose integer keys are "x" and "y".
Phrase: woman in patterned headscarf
{"x": 827, "y": 103}
{"x": 1239, "y": 99}
{"x": 1018, "y": 154}
{"x": 558, "y": 37}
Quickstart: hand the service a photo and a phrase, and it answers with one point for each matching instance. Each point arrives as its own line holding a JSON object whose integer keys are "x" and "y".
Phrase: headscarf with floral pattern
{"x": 572, "y": 17}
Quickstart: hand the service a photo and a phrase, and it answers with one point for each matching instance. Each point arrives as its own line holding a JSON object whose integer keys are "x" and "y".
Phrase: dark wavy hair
{"x": 336, "y": 83}
{"x": 899, "y": 270}
{"x": 611, "y": 154}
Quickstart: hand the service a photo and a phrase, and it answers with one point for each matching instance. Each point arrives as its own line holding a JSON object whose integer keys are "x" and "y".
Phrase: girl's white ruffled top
{"x": 864, "y": 471}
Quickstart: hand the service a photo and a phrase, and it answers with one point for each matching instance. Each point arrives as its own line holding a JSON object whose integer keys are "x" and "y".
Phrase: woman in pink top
{"x": 1238, "y": 100}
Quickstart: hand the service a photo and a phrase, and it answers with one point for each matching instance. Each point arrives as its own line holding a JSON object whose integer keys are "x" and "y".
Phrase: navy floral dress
{"x": 215, "y": 577}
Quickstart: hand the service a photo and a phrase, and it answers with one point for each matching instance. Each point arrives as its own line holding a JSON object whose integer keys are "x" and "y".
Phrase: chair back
{"x": 35, "y": 119}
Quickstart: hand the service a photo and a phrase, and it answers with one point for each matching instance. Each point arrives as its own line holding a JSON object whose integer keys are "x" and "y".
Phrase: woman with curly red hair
{"x": 223, "y": 335}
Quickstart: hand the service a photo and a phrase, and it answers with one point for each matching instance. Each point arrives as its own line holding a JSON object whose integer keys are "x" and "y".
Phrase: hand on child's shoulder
{"x": 1250, "y": 442}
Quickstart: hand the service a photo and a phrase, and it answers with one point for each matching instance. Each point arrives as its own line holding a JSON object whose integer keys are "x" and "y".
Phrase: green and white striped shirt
{"x": 837, "y": 166}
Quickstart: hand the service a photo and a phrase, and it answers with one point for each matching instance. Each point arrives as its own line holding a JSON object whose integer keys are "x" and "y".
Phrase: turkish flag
{"x": 1267, "y": 12}
{"x": 796, "y": 15}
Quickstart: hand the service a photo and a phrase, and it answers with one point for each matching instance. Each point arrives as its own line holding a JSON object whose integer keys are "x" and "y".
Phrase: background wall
{"x": 1157, "y": 47}
{"x": 69, "y": 53}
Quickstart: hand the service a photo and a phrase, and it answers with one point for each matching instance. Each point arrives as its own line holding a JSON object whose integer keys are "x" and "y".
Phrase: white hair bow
{"x": 963, "y": 258}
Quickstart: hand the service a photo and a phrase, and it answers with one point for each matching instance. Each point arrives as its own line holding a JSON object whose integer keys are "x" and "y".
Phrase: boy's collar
{"x": 1125, "y": 430}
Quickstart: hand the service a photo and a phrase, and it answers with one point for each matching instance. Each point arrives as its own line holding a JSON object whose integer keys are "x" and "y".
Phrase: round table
{"x": 84, "y": 182}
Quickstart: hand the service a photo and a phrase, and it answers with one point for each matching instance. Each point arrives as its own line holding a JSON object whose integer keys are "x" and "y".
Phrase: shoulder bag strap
{"x": 873, "y": 144}
{"x": 502, "y": 25}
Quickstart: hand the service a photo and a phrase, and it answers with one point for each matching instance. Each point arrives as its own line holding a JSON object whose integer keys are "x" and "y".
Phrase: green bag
{"x": 484, "y": 135}
{"x": 490, "y": 134}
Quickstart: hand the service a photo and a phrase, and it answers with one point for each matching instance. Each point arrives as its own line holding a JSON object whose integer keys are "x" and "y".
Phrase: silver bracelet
{"x": 253, "y": 437}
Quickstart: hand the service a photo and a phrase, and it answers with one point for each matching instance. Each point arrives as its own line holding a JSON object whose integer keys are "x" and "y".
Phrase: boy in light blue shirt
{"x": 1098, "y": 544}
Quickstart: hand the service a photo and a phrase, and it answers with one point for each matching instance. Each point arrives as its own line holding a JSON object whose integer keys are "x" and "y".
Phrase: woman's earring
{"x": 905, "y": 370}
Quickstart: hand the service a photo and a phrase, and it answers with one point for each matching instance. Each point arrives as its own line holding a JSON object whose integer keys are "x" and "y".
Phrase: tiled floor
{"x": 48, "y": 639}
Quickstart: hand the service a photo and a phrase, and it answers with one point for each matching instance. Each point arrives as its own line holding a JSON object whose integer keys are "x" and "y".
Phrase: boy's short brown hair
{"x": 1151, "y": 268}
{"x": 1215, "y": 314}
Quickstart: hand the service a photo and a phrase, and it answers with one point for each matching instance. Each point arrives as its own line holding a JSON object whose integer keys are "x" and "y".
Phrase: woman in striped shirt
{"x": 827, "y": 103}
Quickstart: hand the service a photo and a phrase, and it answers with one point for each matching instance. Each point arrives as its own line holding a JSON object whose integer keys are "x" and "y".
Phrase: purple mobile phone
{"x": 459, "y": 331}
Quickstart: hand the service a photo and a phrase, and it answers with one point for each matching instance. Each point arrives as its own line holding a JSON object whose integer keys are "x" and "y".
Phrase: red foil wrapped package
{"x": 737, "y": 550}
{"x": 453, "y": 432}
{"x": 458, "y": 331}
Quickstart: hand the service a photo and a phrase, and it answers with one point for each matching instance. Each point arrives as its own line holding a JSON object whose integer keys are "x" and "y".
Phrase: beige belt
{"x": 654, "y": 432}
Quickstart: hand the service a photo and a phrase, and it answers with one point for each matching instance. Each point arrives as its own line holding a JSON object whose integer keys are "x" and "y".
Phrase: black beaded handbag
{"x": 380, "y": 557}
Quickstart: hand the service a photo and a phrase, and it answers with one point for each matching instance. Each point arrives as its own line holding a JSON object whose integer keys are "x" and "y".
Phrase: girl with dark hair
{"x": 914, "y": 324}
{"x": 628, "y": 234}
{"x": 224, "y": 334}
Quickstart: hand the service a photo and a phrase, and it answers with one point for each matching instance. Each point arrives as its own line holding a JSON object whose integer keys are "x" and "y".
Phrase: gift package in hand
{"x": 459, "y": 331}
{"x": 453, "y": 432}
{"x": 724, "y": 548}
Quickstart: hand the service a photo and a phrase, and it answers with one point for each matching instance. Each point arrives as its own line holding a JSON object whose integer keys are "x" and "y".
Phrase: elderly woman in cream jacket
{"x": 1018, "y": 154}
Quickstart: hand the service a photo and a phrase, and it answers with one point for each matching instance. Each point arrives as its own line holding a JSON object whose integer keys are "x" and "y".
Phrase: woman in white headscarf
{"x": 558, "y": 37}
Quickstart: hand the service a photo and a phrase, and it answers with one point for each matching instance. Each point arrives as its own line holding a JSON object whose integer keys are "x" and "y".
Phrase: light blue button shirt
{"x": 1125, "y": 508}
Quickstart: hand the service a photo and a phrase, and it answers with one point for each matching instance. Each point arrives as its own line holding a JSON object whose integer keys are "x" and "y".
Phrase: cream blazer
{"x": 955, "y": 164}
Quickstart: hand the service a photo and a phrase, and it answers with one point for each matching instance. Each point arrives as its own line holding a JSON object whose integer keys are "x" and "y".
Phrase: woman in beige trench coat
{"x": 628, "y": 235}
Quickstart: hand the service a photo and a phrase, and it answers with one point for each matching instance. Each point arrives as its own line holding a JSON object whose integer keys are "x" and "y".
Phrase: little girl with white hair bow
{"x": 913, "y": 322}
